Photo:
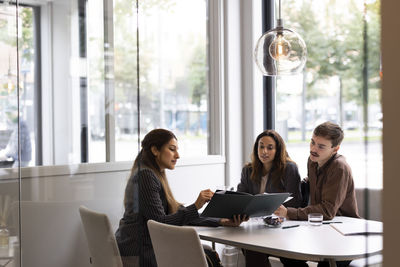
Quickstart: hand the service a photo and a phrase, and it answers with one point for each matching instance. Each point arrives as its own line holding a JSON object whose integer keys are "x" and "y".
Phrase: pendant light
{"x": 280, "y": 51}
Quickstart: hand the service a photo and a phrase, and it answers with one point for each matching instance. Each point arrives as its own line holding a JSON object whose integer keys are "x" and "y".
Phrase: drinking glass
{"x": 315, "y": 219}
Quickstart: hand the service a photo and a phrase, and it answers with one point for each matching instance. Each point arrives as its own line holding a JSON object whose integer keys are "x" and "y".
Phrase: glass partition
{"x": 17, "y": 145}
{"x": 81, "y": 81}
{"x": 90, "y": 71}
{"x": 18, "y": 66}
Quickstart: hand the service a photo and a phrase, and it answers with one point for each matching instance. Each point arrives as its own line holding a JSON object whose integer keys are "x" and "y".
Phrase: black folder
{"x": 225, "y": 204}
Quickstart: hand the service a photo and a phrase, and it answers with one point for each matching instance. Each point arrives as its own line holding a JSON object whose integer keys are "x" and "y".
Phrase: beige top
{"x": 263, "y": 184}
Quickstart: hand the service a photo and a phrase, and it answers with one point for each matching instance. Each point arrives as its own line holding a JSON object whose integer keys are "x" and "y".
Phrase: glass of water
{"x": 315, "y": 219}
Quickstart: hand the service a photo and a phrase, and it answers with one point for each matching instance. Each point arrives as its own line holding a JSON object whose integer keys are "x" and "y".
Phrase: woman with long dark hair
{"x": 272, "y": 171}
{"x": 149, "y": 197}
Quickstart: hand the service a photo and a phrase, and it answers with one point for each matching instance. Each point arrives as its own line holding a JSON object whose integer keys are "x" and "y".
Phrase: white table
{"x": 313, "y": 243}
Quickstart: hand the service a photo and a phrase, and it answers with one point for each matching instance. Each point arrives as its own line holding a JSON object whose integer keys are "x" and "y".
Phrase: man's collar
{"x": 326, "y": 164}
{"x": 333, "y": 157}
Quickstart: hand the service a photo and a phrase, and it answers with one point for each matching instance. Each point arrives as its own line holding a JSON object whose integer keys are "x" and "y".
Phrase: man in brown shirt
{"x": 330, "y": 179}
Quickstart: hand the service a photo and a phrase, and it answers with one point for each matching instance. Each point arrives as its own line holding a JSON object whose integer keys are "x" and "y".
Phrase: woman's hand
{"x": 236, "y": 221}
{"x": 281, "y": 211}
{"x": 203, "y": 198}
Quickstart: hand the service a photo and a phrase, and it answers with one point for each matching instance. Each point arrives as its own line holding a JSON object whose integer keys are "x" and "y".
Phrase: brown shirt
{"x": 331, "y": 191}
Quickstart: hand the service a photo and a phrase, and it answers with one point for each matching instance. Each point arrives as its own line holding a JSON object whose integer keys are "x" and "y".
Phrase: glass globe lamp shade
{"x": 280, "y": 51}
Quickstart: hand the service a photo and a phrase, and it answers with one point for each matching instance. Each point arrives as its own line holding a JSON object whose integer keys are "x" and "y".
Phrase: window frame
{"x": 216, "y": 82}
{"x": 216, "y": 108}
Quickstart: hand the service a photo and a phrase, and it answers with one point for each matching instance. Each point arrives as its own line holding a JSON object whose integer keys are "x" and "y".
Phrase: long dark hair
{"x": 146, "y": 159}
{"x": 280, "y": 160}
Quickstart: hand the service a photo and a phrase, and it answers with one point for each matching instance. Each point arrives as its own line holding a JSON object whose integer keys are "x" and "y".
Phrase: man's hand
{"x": 203, "y": 198}
{"x": 236, "y": 221}
{"x": 281, "y": 211}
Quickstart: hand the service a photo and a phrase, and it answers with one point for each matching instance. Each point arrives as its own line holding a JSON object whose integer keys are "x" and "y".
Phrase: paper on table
{"x": 362, "y": 227}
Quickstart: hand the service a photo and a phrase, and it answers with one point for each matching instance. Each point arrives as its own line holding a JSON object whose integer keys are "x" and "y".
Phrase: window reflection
{"x": 9, "y": 154}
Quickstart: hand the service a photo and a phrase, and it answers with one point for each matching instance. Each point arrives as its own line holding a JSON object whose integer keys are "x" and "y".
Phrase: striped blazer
{"x": 145, "y": 200}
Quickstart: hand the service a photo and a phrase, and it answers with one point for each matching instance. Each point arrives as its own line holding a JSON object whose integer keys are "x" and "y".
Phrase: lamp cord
{"x": 279, "y": 10}
{"x": 279, "y": 23}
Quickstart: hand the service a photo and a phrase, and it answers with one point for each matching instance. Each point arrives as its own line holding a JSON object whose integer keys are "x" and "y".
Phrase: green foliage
{"x": 26, "y": 45}
{"x": 147, "y": 5}
{"x": 198, "y": 75}
{"x": 125, "y": 55}
{"x": 335, "y": 43}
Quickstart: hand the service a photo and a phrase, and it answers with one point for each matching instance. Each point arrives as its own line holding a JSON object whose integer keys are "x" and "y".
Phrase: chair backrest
{"x": 177, "y": 246}
{"x": 374, "y": 205}
{"x": 101, "y": 240}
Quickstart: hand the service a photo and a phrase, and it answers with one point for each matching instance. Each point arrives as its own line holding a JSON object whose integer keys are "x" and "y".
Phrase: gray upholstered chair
{"x": 100, "y": 237}
{"x": 177, "y": 246}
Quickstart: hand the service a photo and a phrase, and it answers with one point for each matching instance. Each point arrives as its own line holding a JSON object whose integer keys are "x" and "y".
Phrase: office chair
{"x": 101, "y": 240}
{"x": 177, "y": 246}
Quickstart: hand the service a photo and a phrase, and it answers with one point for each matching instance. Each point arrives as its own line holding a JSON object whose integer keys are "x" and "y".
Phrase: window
{"x": 80, "y": 98}
{"x": 173, "y": 76}
{"x": 339, "y": 84}
{"x": 13, "y": 60}
{"x": 173, "y": 73}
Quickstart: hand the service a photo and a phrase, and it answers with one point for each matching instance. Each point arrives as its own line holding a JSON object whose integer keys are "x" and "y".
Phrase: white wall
{"x": 233, "y": 96}
{"x": 51, "y": 231}
{"x": 252, "y": 81}
{"x": 243, "y": 84}
{"x": 51, "y": 196}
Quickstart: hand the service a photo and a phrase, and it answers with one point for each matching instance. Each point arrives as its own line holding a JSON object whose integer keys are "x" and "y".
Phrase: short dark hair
{"x": 331, "y": 131}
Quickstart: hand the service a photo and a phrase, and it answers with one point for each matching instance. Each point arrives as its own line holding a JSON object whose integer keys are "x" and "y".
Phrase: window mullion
{"x": 109, "y": 80}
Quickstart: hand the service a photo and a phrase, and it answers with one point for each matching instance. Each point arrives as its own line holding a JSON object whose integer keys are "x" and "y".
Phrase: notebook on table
{"x": 360, "y": 227}
{"x": 226, "y": 204}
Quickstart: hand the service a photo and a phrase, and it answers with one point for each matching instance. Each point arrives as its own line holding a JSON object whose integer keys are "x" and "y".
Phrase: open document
{"x": 361, "y": 227}
{"x": 225, "y": 204}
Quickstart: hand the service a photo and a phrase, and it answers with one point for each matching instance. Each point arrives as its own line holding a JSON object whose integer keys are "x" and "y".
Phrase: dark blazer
{"x": 145, "y": 200}
{"x": 290, "y": 182}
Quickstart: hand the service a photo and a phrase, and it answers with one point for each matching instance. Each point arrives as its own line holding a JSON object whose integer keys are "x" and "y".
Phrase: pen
{"x": 290, "y": 226}
{"x": 330, "y": 222}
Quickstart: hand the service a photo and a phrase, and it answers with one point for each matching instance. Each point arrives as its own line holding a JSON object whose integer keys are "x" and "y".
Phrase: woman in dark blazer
{"x": 272, "y": 171}
{"x": 148, "y": 196}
